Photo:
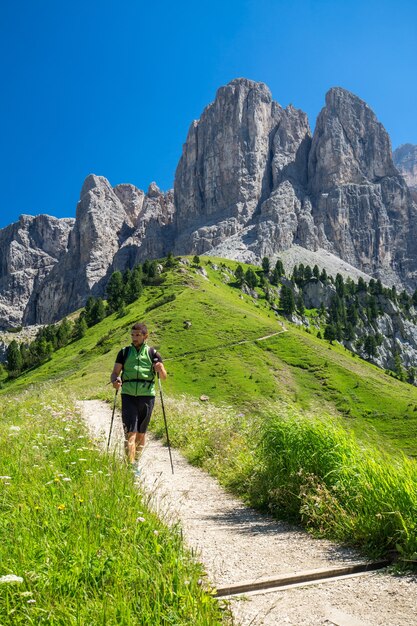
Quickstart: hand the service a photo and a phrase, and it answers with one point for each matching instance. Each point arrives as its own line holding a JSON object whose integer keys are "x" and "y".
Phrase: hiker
{"x": 134, "y": 371}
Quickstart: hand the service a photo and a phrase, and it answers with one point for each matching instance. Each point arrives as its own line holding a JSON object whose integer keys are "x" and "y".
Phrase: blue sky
{"x": 111, "y": 88}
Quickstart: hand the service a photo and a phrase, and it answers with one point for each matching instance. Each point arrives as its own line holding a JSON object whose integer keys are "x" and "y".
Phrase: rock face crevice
{"x": 252, "y": 181}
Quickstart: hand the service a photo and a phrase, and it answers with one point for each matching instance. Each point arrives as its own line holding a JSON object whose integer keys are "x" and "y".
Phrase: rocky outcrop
{"x": 94, "y": 240}
{"x": 361, "y": 206}
{"x": 29, "y": 249}
{"x": 114, "y": 229}
{"x": 405, "y": 160}
{"x": 152, "y": 236}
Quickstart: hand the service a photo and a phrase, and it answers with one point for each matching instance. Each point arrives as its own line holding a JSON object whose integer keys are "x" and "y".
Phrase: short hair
{"x": 141, "y": 327}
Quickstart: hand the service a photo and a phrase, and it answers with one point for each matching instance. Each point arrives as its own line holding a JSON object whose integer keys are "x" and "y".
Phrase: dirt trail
{"x": 237, "y": 544}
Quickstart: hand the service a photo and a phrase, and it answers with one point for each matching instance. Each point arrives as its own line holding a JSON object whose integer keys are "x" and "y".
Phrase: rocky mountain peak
{"x": 251, "y": 182}
{"x": 153, "y": 191}
{"x": 349, "y": 144}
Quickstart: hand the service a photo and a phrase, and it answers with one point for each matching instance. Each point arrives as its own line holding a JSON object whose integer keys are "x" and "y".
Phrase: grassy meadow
{"x": 293, "y": 425}
{"x": 78, "y": 542}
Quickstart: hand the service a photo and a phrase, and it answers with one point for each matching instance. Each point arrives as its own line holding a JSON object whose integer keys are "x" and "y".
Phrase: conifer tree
{"x": 115, "y": 291}
{"x": 280, "y": 268}
{"x": 266, "y": 266}
{"x": 308, "y": 274}
{"x": 316, "y": 272}
{"x": 330, "y": 333}
{"x": 370, "y": 345}
{"x": 300, "y": 303}
{"x": 287, "y": 301}
{"x": 13, "y": 357}
{"x": 250, "y": 278}
{"x": 239, "y": 274}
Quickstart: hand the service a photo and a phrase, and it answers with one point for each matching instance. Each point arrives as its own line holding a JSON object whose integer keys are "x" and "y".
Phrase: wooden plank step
{"x": 300, "y": 577}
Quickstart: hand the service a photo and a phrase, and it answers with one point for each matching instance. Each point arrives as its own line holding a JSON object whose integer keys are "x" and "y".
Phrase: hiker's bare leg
{"x": 140, "y": 444}
{"x": 131, "y": 446}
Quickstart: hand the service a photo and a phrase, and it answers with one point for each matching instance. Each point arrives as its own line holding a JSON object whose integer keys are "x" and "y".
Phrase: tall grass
{"x": 77, "y": 533}
{"x": 313, "y": 471}
{"x": 305, "y": 470}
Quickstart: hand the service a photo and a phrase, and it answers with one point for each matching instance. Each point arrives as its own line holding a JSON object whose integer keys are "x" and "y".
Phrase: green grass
{"x": 252, "y": 386}
{"x": 74, "y": 527}
{"x": 305, "y": 470}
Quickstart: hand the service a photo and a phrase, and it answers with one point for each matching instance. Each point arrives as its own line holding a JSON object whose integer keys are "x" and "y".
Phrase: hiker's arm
{"x": 160, "y": 370}
{"x": 115, "y": 375}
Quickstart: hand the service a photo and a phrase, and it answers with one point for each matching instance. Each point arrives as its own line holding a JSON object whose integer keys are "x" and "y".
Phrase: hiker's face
{"x": 138, "y": 337}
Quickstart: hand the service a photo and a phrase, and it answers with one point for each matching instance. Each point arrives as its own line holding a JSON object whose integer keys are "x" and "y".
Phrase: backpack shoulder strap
{"x": 125, "y": 354}
{"x": 152, "y": 353}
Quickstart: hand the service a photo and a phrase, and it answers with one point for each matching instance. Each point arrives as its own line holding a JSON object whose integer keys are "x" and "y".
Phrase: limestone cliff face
{"x": 361, "y": 206}
{"x": 29, "y": 249}
{"x": 251, "y": 182}
{"x": 151, "y": 236}
{"x": 93, "y": 242}
{"x": 244, "y": 147}
{"x": 114, "y": 229}
{"x": 405, "y": 160}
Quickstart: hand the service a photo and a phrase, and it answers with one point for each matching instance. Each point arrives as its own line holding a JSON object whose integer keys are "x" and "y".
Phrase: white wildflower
{"x": 11, "y": 578}
{"x": 5, "y": 477}
{"x": 31, "y": 601}
{"x": 66, "y": 479}
{"x": 140, "y": 519}
{"x": 14, "y": 428}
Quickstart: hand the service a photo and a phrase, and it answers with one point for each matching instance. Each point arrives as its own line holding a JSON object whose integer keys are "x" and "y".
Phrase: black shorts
{"x": 136, "y": 412}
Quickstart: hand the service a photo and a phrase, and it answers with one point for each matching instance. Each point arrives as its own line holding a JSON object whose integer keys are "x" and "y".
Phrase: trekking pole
{"x": 165, "y": 421}
{"x": 112, "y": 418}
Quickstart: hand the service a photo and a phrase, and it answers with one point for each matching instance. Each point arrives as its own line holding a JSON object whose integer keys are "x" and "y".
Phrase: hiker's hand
{"x": 117, "y": 383}
{"x": 158, "y": 367}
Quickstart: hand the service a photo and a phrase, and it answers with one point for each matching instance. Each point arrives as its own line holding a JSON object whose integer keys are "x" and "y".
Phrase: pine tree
{"x": 275, "y": 276}
{"x": 330, "y": 333}
{"x": 280, "y": 268}
{"x": 115, "y": 292}
{"x": 250, "y": 278}
{"x": 370, "y": 345}
{"x": 240, "y": 275}
{"x": 287, "y": 301}
{"x": 64, "y": 333}
{"x": 170, "y": 262}
{"x": 266, "y": 267}
{"x": 300, "y": 303}
{"x": 14, "y": 358}
{"x": 316, "y": 272}
{"x": 308, "y": 274}
{"x": 80, "y": 327}
{"x": 340, "y": 286}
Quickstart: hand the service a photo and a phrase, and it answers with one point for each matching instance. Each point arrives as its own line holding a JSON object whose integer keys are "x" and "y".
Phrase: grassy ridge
{"x": 255, "y": 388}
{"x": 76, "y": 531}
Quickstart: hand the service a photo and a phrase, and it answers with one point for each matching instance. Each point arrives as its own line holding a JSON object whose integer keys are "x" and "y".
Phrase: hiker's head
{"x": 139, "y": 333}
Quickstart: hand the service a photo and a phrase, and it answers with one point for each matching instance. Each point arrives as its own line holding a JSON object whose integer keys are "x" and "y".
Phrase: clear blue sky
{"x": 106, "y": 87}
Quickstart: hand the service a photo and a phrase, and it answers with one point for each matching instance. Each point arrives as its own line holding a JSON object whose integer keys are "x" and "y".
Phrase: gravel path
{"x": 237, "y": 544}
